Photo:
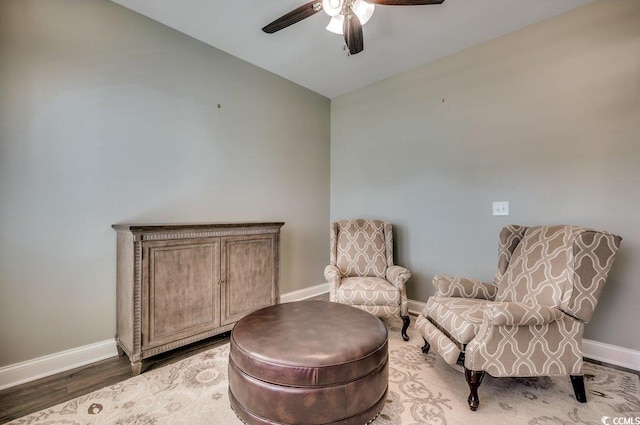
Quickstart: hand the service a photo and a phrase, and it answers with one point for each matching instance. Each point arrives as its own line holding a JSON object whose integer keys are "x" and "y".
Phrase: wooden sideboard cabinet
{"x": 180, "y": 283}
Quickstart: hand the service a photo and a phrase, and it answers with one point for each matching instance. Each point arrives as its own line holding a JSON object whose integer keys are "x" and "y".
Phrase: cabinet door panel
{"x": 248, "y": 272}
{"x": 183, "y": 290}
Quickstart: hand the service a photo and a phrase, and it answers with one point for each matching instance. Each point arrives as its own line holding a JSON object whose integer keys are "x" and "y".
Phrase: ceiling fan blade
{"x": 352, "y": 29}
{"x": 296, "y": 15}
{"x": 405, "y": 2}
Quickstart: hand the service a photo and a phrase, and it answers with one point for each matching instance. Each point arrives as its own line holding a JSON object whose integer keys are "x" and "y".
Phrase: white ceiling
{"x": 397, "y": 38}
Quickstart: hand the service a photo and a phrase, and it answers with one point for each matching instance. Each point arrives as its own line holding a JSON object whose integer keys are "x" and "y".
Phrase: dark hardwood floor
{"x": 33, "y": 396}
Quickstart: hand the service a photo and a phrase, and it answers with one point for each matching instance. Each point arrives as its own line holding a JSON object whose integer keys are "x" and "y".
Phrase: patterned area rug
{"x": 422, "y": 390}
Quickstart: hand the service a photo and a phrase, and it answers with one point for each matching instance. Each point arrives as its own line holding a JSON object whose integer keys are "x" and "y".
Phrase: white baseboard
{"x": 416, "y": 307}
{"x": 611, "y": 354}
{"x": 595, "y": 350}
{"x": 42, "y": 367}
{"x": 30, "y": 370}
{"x": 303, "y": 294}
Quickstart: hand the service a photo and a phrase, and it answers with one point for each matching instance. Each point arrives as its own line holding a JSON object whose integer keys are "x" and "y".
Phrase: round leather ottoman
{"x": 308, "y": 362}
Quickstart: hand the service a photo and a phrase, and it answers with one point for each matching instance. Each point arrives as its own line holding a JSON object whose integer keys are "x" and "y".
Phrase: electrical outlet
{"x": 501, "y": 208}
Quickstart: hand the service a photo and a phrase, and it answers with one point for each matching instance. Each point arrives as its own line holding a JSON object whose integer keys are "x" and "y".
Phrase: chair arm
{"x": 332, "y": 275}
{"x": 520, "y": 314}
{"x": 447, "y": 286}
{"x": 398, "y": 275}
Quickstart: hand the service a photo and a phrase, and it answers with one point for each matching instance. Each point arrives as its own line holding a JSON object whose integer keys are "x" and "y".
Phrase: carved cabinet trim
{"x": 178, "y": 284}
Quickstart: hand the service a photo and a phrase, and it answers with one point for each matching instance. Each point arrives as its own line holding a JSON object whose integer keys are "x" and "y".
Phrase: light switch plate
{"x": 501, "y": 208}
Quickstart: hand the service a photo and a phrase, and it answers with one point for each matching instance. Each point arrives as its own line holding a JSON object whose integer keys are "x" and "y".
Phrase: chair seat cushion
{"x": 367, "y": 291}
{"x": 460, "y": 317}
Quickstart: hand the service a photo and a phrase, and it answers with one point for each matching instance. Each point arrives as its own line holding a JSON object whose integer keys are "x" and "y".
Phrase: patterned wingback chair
{"x": 530, "y": 320}
{"x": 361, "y": 271}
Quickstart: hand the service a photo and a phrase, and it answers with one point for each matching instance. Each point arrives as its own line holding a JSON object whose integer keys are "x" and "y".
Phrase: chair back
{"x": 559, "y": 266}
{"x": 361, "y": 247}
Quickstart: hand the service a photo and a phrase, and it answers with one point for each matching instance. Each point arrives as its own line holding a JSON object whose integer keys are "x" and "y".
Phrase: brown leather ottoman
{"x": 308, "y": 362}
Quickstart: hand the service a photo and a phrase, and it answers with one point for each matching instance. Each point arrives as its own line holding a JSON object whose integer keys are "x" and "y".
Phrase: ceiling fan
{"x": 347, "y": 17}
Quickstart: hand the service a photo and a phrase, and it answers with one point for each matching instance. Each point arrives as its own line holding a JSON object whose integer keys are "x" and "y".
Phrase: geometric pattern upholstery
{"x": 459, "y": 287}
{"x": 592, "y": 256}
{"x": 575, "y": 259}
{"x": 543, "y": 255}
{"x": 361, "y": 272}
{"x": 368, "y": 291}
{"x": 461, "y": 317}
{"x": 530, "y": 320}
{"x": 554, "y": 348}
{"x": 361, "y": 248}
{"x": 510, "y": 237}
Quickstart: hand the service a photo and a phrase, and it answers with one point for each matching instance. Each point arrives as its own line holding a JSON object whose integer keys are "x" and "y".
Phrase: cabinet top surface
{"x": 139, "y": 227}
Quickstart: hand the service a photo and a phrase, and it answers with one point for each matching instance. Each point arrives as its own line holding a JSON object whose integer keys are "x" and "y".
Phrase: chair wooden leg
{"x": 578, "y": 388}
{"x": 426, "y": 346}
{"x": 474, "y": 379}
{"x": 406, "y": 321}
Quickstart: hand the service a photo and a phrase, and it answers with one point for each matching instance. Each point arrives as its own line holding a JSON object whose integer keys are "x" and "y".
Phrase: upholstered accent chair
{"x": 530, "y": 320}
{"x": 361, "y": 272}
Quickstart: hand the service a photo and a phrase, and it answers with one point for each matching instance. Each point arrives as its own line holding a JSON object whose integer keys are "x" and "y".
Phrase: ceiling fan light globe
{"x": 335, "y": 24}
{"x": 332, "y": 7}
{"x": 363, "y": 10}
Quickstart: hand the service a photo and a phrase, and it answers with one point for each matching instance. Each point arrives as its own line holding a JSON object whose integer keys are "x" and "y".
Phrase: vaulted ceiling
{"x": 397, "y": 38}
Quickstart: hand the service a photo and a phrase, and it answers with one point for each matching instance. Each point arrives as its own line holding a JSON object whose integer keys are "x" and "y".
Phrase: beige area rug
{"x": 422, "y": 390}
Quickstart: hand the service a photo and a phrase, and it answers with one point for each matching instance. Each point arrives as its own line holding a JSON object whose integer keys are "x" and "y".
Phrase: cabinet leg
{"x": 136, "y": 368}
{"x": 120, "y": 350}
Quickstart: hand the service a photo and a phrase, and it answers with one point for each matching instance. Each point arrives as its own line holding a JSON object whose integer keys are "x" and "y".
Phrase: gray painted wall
{"x": 547, "y": 118}
{"x": 106, "y": 117}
